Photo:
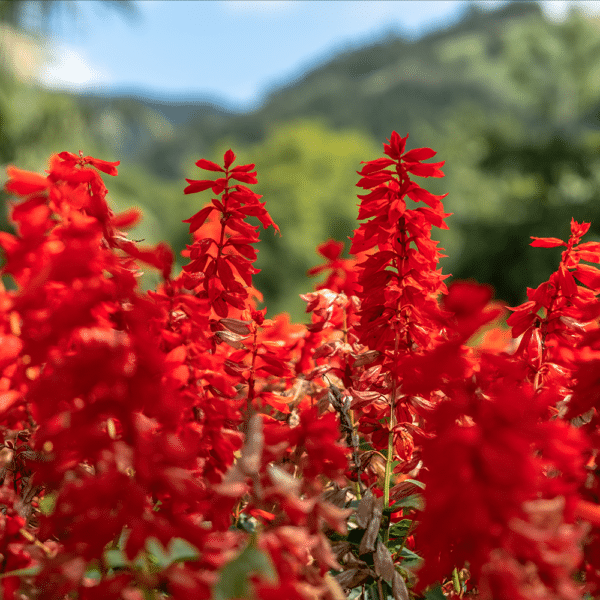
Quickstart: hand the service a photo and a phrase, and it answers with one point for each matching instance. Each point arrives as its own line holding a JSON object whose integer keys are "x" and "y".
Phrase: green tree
{"x": 555, "y": 69}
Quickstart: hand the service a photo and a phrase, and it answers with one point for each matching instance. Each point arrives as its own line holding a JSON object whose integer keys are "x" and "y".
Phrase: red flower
{"x": 226, "y": 259}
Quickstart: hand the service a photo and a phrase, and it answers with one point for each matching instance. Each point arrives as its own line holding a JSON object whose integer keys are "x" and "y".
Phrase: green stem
{"x": 386, "y": 484}
{"x": 456, "y": 581}
{"x": 390, "y": 451}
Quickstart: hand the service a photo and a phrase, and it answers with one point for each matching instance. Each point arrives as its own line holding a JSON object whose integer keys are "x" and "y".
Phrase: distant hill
{"x": 392, "y": 83}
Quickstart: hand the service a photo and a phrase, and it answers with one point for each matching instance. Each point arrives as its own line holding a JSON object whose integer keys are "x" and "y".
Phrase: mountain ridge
{"x": 391, "y": 82}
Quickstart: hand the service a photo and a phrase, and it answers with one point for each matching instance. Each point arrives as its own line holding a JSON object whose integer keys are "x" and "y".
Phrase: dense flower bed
{"x": 179, "y": 443}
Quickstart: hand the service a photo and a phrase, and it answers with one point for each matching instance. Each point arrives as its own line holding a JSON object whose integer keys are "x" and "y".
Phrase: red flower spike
{"x": 225, "y": 255}
{"x": 564, "y": 302}
{"x": 388, "y": 238}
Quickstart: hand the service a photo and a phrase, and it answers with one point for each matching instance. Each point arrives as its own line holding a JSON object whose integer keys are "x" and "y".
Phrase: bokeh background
{"x": 508, "y": 93}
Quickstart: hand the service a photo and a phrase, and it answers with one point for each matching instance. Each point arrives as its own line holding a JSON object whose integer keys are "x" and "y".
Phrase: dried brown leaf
{"x": 367, "y": 544}
{"x": 399, "y": 589}
{"x": 327, "y": 349}
{"x": 365, "y": 358}
{"x": 353, "y": 577}
{"x": 351, "y": 560}
{"x": 384, "y": 565}
{"x": 253, "y": 446}
{"x": 365, "y": 509}
{"x": 232, "y": 339}
{"x": 236, "y": 325}
{"x": 336, "y": 496}
{"x": 340, "y": 549}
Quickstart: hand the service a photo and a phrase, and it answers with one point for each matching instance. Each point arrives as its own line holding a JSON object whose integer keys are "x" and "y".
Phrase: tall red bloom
{"x": 222, "y": 266}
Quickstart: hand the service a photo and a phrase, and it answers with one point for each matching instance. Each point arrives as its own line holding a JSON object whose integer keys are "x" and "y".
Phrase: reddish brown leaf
{"x": 236, "y": 325}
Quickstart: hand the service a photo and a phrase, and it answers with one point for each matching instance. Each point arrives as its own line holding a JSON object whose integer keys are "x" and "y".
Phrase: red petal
{"x": 228, "y": 158}
{"x": 7, "y": 399}
{"x": 331, "y": 249}
{"x": 208, "y": 165}
{"x": 417, "y": 193}
{"x": 374, "y": 180}
{"x": 426, "y": 170}
{"x": 245, "y": 177}
{"x": 418, "y": 154}
{"x": 10, "y": 347}
{"x": 546, "y": 242}
{"x": 375, "y": 165}
{"x": 110, "y": 168}
{"x": 24, "y": 182}
{"x": 197, "y": 185}
{"x": 588, "y": 256}
{"x": 588, "y": 275}
{"x": 589, "y": 246}
{"x": 243, "y": 168}
{"x": 127, "y": 218}
{"x": 396, "y": 146}
{"x": 69, "y": 156}
{"x": 579, "y": 229}
{"x": 219, "y": 185}
{"x": 567, "y": 283}
{"x": 199, "y": 218}
{"x": 588, "y": 511}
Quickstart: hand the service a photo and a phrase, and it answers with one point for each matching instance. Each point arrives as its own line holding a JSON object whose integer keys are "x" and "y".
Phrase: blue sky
{"x": 230, "y": 51}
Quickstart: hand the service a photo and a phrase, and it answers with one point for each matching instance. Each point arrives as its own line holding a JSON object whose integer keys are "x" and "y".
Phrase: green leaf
{"x": 419, "y": 484}
{"x": 178, "y": 550}
{"x": 94, "y": 574}
{"x": 233, "y": 582}
{"x": 409, "y": 558}
{"x": 27, "y": 572}
{"x": 395, "y": 545}
{"x": 47, "y": 504}
{"x": 181, "y": 550}
{"x": 413, "y": 501}
{"x": 400, "y": 529}
{"x": 371, "y": 592}
{"x": 435, "y": 593}
{"x": 115, "y": 558}
{"x": 157, "y": 552}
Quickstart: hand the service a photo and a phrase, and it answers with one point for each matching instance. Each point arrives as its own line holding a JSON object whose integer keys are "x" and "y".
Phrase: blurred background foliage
{"x": 508, "y": 98}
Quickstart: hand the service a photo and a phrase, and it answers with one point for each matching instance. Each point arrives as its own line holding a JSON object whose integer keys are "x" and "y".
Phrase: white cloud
{"x": 68, "y": 68}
